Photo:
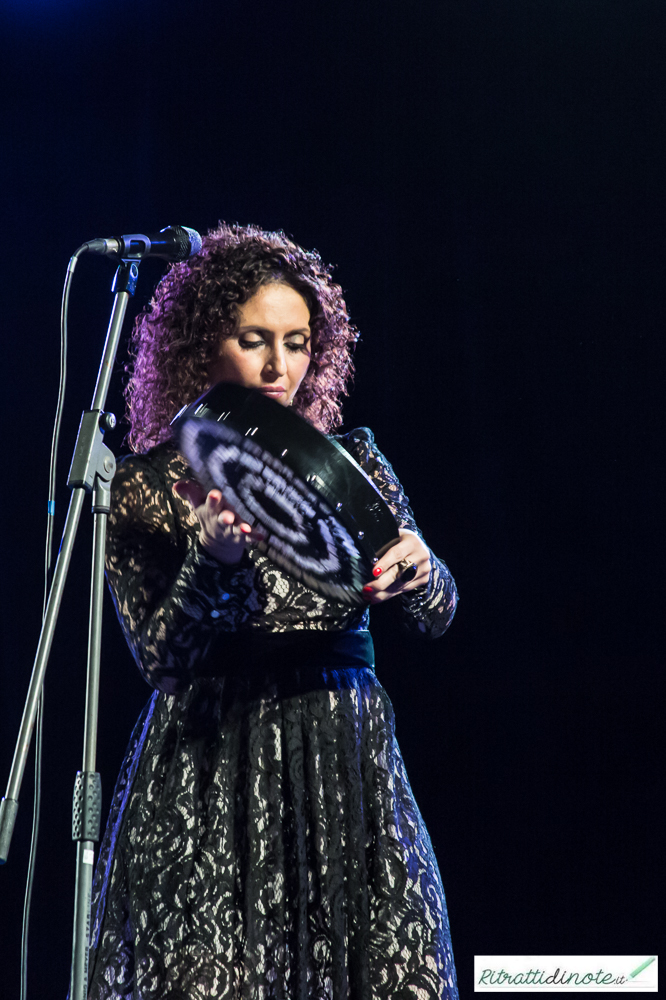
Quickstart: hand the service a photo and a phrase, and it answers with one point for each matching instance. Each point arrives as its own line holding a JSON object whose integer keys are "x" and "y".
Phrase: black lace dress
{"x": 263, "y": 841}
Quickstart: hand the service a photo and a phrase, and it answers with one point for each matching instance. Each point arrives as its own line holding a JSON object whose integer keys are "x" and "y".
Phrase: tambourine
{"x": 324, "y": 520}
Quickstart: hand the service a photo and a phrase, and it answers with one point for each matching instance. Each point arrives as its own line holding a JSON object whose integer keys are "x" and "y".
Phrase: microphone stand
{"x": 92, "y": 469}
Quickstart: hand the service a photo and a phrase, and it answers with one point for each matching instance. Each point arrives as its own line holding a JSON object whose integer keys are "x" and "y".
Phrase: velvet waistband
{"x": 298, "y": 659}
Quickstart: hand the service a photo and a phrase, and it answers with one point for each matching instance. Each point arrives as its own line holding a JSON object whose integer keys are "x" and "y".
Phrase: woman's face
{"x": 271, "y": 349}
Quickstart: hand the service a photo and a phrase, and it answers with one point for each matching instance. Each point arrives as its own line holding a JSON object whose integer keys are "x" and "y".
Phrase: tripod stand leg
{"x": 10, "y": 801}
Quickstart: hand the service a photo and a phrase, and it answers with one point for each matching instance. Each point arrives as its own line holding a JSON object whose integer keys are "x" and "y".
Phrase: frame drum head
{"x": 325, "y": 522}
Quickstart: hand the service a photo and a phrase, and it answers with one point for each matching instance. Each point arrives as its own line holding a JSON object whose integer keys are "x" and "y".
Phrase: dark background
{"x": 486, "y": 175}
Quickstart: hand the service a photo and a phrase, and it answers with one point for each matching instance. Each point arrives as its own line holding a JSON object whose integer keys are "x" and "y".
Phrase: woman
{"x": 263, "y": 840}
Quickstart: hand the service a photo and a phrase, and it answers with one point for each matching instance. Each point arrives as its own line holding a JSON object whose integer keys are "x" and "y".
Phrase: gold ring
{"x": 407, "y": 570}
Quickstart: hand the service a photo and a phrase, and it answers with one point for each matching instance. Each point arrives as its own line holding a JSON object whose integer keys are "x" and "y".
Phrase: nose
{"x": 277, "y": 361}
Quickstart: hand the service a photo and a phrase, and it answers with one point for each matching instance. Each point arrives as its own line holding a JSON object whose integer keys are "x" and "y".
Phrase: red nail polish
{"x": 367, "y": 590}
{"x": 246, "y": 529}
{"x": 377, "y": 571}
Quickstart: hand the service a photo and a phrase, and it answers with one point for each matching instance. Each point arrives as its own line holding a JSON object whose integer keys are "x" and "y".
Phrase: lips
{"x": 272, "y": 390}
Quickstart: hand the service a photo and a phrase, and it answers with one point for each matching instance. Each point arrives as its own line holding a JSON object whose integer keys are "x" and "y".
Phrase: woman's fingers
{"x": 387, "y": 580}
{"x": 227, "y": 517}
{"x": 224, "y": 516}
{"x": 222, "y": 532}
{"x": 410, "y": 547}
{"x": 392, "y": 585}
{"x": 190, "y": 491}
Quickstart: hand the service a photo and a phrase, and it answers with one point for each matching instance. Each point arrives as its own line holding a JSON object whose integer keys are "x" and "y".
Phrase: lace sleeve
{"x": 428, "y": 610}
{"x": 171, "y": 597}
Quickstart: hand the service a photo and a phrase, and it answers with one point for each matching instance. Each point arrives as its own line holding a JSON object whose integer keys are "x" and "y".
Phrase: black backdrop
{"x": 484, "y": 175}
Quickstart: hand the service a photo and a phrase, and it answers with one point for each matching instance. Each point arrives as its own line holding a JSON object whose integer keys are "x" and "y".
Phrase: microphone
{"x": 174, "y": 243}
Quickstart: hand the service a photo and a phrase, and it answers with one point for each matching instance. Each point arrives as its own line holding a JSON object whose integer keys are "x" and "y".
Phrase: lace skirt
{"x": 264, "y": 844}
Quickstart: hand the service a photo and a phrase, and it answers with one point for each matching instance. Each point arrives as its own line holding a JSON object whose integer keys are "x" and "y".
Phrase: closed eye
{"x": 292, "y": 346}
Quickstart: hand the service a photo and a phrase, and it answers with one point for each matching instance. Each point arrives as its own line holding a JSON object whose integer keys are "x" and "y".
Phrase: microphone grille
{"x": 195, "y": 241}
{"x": 187, "y": 242}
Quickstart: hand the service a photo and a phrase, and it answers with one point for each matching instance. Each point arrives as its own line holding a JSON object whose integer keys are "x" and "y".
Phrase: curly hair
{"x": 177, "y": 336}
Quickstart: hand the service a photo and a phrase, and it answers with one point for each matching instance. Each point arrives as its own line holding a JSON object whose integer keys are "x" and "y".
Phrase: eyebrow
{"x": 254, "y": 328}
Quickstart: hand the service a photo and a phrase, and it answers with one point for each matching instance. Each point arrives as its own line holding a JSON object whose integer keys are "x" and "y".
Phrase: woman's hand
{"x": 386, "y": 583}
{"x": 222, "y": 533}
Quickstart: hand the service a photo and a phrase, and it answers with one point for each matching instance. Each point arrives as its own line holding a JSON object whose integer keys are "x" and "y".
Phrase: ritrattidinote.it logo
{"x": 566, "y": 973}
